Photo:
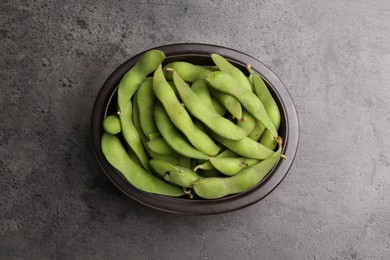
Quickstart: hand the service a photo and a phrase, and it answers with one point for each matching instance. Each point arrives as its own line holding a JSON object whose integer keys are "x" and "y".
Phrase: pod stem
{"x": 188, "y": 192}
{"x": 279, "y": 140}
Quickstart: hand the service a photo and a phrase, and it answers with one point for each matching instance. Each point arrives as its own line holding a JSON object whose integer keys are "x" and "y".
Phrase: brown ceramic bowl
{"x": 105, "y": 104}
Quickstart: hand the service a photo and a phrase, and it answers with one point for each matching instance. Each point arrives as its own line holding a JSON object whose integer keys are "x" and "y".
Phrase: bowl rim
{"x": 200, "y": 207}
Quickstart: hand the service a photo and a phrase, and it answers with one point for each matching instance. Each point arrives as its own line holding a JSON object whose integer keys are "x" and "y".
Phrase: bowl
{"x": 105, "y": 104}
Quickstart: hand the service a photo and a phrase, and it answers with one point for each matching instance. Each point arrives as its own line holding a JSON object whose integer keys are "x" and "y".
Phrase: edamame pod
{"x": 232, "y": 166}
{"x": 178, "y": 175}
{"x": 247, "y": 123}
{"x": 214, "y": 188}
{"x": 189, "y": 72}
{"x": 154, "y": 135}
{"x": 266, "y": 98}
{"x": 145, "y": 102}
{"x": 257, "y": 131}
{"x": 130, "y": 82}
{"x": 172, "y": 158}
{"x": 137, "y": 122}
{"x": 246, "y": 147}
{"x": 225, "y": 66}
{"x": 134, "y": 157}
{"x": 112, "y": 124}
{"x": 229, "y": 102}
{"x": 183, "y": 177}
{"x": 173, "y": 136}
{"x": 132, "y": 136}
{"x": 218, "y": 107}
{"x": 203, "y": 92}
{"x": 226, "y": 83}
{"x": 173, "y": 88}
{"x": 208, "y": 166}
{"x": 180, "y": 117}
{"x": 161, "y": 167}
{"x": 116, "y": 155}
{"x": 158, "y": 145}
{"x": 270, "y": 106}
{"x": 195, "y": 105}
{"x": 200, "y": 88}
{"x": 184, "y": 162}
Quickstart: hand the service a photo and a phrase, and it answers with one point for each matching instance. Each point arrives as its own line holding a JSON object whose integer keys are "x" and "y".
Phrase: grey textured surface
{"x": 333, "y": 56}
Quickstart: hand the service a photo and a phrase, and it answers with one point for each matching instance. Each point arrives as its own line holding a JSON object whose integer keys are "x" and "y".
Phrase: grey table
{"x": 333, "y": 56}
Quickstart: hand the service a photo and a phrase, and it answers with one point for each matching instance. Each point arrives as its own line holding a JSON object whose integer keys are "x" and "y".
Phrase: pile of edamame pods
{"x": 191, "y": 130}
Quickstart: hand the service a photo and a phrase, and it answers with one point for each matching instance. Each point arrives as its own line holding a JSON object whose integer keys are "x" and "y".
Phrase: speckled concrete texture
{"x": 334, "y": 58}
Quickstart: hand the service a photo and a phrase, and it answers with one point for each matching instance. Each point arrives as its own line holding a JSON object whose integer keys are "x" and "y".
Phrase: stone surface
{"x": 333, "y": 56}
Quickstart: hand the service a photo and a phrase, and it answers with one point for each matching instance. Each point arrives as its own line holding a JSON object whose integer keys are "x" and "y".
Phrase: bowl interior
{"x": 106, "y": 105}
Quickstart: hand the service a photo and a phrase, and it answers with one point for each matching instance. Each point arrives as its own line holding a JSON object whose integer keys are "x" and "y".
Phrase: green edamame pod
{"x": 257, "y": 131}
{"x": 173, "y": 88}
{"x": 218, "y": 107}
{"x": 267, "y": 140}
{"x": 189, "y": 72}
{"x": 229, "y": 102}
{"x": 208, "y": 166}
{"x": 232, "y": 166}
{"x": 162, "y": 167}
{"x": 250, "y": 80}
{"x": 270, "y": 106}
{"x": 173, "y": 136}
{"x": 204, "y": 166}
{"x": 246, "y": 147}
{"x": 183, "y": 177}
{"x": 130, "y": 82}
{"x": 202, "y": 91}
{"x": 134, "y": 157}
{"x": 225, "y": 66}
{"x": 226, "y": 83}
{"x": 112, "y": 124}
{"x": 158, "y": 145}
{"x": 184, "y": 162}
{"x": 155, "y": 135}
{"x": 180, "y": 117}
{"x": 266, "y": 98}
{"x": 207, "y": 115}
{"x": 214, "y": 188}
{"x": 173, "y": 159}
{"x": 116, "y": 155}
{"x": 145, "y": 102}
{"x": 178, "y": 175}
{"x": 247, "y": 123}
{"x": 137, "y": 121}
{"x": 170, "y": 158}
{"x": 131, "y": 135}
